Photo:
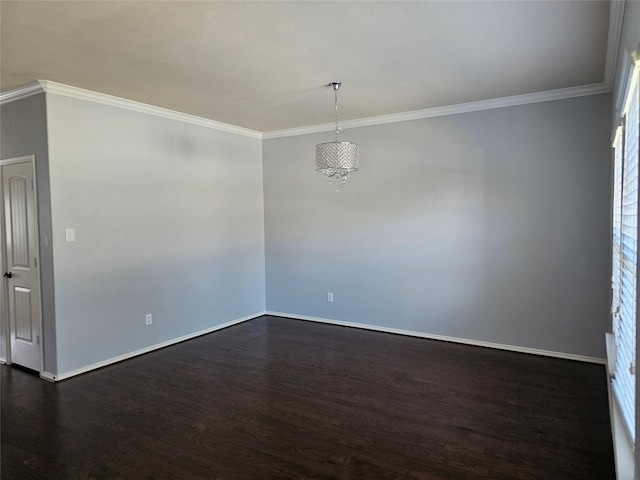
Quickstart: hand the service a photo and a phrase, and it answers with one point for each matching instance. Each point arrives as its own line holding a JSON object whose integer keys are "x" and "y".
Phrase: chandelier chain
{"x": 335, "y": 91}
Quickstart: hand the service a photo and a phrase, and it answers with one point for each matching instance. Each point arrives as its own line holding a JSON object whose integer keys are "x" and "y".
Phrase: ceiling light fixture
{"x": 337, "y": 159}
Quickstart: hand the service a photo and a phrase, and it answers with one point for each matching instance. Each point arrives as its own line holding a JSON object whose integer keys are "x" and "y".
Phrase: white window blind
{"x": 625, "y": 253}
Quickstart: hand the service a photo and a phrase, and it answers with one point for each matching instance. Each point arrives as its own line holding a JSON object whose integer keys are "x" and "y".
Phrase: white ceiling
{"x": 265, "y": 65}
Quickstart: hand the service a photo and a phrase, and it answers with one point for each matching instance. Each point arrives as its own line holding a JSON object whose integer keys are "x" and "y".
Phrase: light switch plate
{"x": 70, "y": 234}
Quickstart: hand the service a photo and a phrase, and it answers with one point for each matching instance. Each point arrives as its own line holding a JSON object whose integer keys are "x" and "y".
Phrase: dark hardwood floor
{"x": 280, "y": 398}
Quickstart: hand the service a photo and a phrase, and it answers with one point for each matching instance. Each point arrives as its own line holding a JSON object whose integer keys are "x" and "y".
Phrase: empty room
{"x": 319, "y": 239}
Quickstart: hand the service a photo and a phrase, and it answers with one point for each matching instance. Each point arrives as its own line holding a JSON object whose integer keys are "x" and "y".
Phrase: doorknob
{"x": 8, "y": 274}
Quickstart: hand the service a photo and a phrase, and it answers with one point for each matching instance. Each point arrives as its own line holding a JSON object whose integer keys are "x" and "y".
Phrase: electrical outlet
{"x": 149, "y": 319}
{"x": 330, "y": 297}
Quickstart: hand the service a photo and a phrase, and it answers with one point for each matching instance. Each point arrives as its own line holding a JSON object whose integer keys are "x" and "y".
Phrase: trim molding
{"x": 515, "y": 100}
{"x": 498, "y": 346}
{"x": 50, "y": 377}
{"x": 21, "y": 92}
{"x": 616, "y": 16}
{"x": 47, "y": 86}
{"x": 72, "y": 373}
{"x": 112, "y": 101}
{"x": 466, "y": 341}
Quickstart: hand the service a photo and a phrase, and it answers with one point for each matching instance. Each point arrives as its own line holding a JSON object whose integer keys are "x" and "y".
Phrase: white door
{"x": 21, "y": 260}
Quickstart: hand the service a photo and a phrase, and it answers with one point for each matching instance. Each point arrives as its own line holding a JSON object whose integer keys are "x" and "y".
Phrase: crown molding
{"x": 616, "y": 16}
{"x": 112, "y": 101}
{"x": 550, "y": 95}
{"x": 21, "y": 92}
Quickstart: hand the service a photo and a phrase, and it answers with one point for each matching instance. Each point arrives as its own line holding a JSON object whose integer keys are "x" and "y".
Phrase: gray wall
{"x": 490, "y": 226}
{"x": 168, "y": 219}
{"x": 23, "y": 131}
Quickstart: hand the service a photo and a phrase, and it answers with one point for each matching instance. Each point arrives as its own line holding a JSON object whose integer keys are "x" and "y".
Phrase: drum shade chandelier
{"x": 337, "y": 159}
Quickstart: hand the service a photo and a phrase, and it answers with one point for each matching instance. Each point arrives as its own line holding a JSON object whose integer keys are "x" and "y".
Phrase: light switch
{"x": 71, "y": 234}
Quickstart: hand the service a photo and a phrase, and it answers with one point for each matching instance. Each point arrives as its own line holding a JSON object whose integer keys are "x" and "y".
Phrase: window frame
{"x": 625, "y": 251}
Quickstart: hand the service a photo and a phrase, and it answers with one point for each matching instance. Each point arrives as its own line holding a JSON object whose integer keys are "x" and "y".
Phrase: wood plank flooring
{"x": 276, "y": 398}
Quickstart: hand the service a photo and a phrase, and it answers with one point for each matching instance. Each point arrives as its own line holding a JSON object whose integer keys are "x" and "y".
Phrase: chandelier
{"x": 337, "y": 159}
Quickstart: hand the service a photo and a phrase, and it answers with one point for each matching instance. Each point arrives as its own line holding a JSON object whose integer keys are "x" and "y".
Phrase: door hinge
{"x": 31, "y": 184}
{"x": 38, "y": 339}
{"x": 35, "y": 263}
{"x": 632, "y": 368}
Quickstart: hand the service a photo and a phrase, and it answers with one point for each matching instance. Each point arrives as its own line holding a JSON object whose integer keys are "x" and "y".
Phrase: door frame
{"x": 4, "y": 311}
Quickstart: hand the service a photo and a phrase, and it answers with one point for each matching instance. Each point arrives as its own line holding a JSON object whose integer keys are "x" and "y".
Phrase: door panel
{"x": 21, "y": 299}
{"x": 22, "y": 280}
{"x": 19, "y": 246}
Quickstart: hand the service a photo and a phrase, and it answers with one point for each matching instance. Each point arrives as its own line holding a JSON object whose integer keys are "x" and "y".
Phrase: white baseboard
{"x": 548, "y": 353}
{"x": 49, "y": 376}
{"x": 72, "y": 373}
{"x": 466, "y": 341}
